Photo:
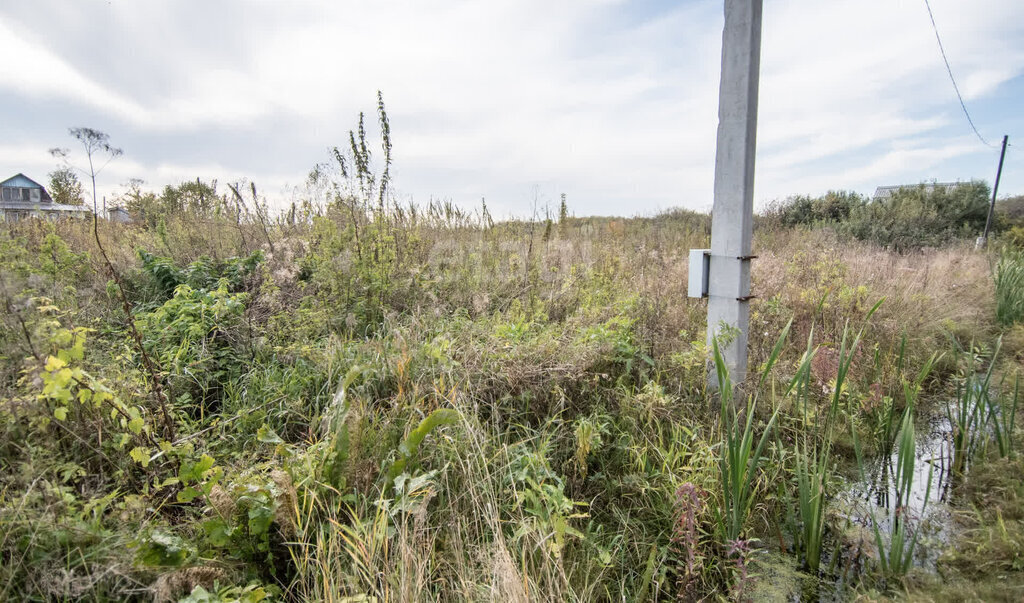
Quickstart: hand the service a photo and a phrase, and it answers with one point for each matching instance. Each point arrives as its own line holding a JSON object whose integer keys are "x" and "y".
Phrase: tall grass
{"x": 1009, "y": 277}
{"x": 896, "y": 546}
{"x": 580, "y": 407}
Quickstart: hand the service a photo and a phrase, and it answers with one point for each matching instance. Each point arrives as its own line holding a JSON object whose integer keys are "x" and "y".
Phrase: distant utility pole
{"x": 732, "y": 217}
{"x": 995, "y": 189}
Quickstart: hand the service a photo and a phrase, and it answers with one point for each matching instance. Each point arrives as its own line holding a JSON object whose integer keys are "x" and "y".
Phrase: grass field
{"x": 360, "y": 403}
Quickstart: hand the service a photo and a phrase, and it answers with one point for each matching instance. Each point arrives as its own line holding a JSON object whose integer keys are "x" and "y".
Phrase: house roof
{"x": 21, "y": 180}
{"x": 884, "y": 192}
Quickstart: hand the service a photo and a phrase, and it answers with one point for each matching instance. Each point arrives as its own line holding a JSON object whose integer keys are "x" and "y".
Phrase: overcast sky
{"x": 612, "y": 102}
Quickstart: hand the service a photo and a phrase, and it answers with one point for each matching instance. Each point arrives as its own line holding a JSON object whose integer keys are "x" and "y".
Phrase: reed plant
{"x": 896, "y": 545}
{"x": 888, "y": 419}
{"x": 813, "y": 458}
{"x": 969, "y": 412}
{"x": 1009, "y": 281}
{"x": 739, "y": 458}
{"x": 1004, "y": 421}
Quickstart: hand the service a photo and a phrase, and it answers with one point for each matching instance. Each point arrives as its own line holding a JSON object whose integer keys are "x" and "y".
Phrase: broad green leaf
{"x": 140, "y": 455}
{"x": 53, "y": 363}
{"x": 268, "y": 436}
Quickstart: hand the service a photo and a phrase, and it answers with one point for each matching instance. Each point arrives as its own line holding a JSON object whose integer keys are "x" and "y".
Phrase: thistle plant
{"x": 689, "y": 505}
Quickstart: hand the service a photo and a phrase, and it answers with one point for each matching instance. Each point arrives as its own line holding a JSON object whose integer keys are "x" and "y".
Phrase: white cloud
{"x": 592, "y": 98}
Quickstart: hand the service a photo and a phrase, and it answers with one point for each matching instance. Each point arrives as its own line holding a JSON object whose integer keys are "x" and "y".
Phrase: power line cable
{"x": 953, "y": 79}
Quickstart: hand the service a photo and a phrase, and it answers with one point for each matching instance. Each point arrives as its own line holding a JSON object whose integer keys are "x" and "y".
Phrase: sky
{"x": 612, "y": 102}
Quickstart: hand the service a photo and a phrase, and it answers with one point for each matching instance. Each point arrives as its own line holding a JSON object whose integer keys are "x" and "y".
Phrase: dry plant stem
{"x": 259, "y": 215}
{"x": 147, "y": 362}
{"x": 21, "y": 321}
{"x": 256, "y": 207}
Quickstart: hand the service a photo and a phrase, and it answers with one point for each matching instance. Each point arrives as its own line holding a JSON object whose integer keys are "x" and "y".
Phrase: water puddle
{"x": 925, "y": 507}
{"x": 853, "y": 551}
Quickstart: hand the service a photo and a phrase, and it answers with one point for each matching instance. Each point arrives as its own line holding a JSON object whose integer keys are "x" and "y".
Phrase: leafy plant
{"x": 203, "y": 274}
{"x": 251, "y": 593}
{"x": 410, "y": 446}
{"x": 539, "y": 493}
{"x": 160, "y": 548}
{"x": 188, "y": 335}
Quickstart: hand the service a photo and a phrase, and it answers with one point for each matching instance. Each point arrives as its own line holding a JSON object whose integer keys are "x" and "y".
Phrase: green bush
{"x": 914, "y": 217}
{"x": 189, "y": 337}
{"x": 204, "y": 273}
{"x": 830, "y": 208}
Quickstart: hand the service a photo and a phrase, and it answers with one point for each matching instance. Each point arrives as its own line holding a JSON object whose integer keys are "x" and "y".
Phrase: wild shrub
{"x": 921, "y": 216}
{"x": 831, "y": 208}
{"x": 165, "y": 276}
{"x": 191, "y": 335}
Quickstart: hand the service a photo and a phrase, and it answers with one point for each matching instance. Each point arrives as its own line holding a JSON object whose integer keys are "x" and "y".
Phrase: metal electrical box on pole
{"x": 732, "y": 216}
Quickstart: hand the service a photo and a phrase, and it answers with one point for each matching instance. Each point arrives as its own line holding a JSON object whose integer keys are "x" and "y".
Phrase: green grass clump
{"x": 1009, "y": 277}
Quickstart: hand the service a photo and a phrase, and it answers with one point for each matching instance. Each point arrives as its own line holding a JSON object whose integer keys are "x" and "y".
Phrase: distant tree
{"x": 65, "y": 187}
{"x": 1011, "y": 210}
{"x": 144, "y": 204}
{"x": 97, "y": 147}
{"x": 193, "y": 196}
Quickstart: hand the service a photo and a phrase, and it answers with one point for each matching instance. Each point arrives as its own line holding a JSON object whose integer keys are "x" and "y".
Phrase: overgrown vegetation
{"x": 908, "y": 218}
{"x": 369, "y": 401}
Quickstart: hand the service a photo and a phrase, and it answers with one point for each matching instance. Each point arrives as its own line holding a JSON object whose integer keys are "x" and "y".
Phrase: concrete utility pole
{"x": 732, "y": 217}
{"x": 995, "y": 189}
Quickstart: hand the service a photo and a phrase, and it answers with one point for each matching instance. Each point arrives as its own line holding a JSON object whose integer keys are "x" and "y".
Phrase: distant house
{"x": 885, "y": 192}
{"x": 119, "y": 214}
{"x": 22, "y": 197}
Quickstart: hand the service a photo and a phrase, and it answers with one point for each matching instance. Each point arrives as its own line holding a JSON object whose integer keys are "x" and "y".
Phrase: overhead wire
{"x": 949, "y": 70}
